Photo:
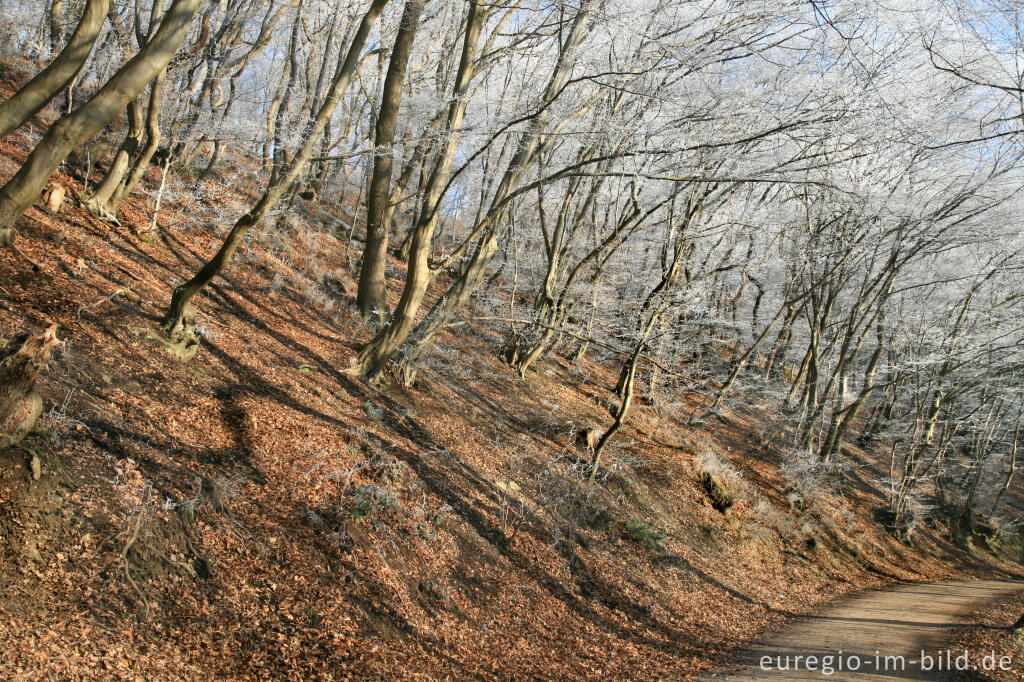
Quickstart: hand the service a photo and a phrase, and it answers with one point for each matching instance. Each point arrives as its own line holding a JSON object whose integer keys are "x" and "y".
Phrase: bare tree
{"x": 31, "y": 98}
{"x": 176, "y": 313}
{"x": 372, "y": 296}
{"x": 73, "y": 129}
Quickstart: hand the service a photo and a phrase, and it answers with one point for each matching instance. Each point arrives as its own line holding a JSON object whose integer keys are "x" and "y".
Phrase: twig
{"x": 35, "y": 266}
{"x": 127, "y": 573}
{"x": 125, "y": 291}
{"x": 562, "y": 330}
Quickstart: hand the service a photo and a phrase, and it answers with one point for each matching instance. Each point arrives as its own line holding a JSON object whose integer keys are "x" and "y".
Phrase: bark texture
{"x": 27, "y": 102}
{"x": 373, "y": 290}
{"x": 21, "y": 362}
{"x": 72, "y": 130}
{"x": 374, "y": 356}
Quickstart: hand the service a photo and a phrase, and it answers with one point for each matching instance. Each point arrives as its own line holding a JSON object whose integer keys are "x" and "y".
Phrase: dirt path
{"x": 901, "y": 622}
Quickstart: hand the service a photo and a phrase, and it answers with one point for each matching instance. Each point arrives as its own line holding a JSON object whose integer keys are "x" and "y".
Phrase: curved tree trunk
{"x": 374, "y": 355}
{"x": 843, "y": 420}
{"x": 153, "y": 138}
{"x": 372, "y": 296}
{"x": 172, "y": 322}
{"x": 492, "y": 227}
{"x": 98, "y": 204}
{"x": 629, "y": 383}
{"x": 134, "y": 174}
{"x": 61, "y": 71}
{"x": 456, "y": 296}
{"x": 533, "y": 343}
{"x": 75, "y": 128}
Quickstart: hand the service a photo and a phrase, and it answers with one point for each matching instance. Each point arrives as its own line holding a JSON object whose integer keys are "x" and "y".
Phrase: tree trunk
{"x": 1011, "y": 469}
{"x": 581, "y": 351}
{"x": 20, "y": 365}
{"x": 153, "y": 138}
{"x": 654, "y": 306}
{"x": 531, "y": 344}
{"x": 492, "y": 226}
{"x": 843, "y": 420}
{"x": 280, "y": 153}
{"x": 372, "y": 296}
{"x": 453, "y": 299}
{"x": 75, "y": 128}
{"x": 801, "y": 375}
{"x": 627, "y": 401}
{"x": 781, "y": 343}
{"x": 179, "y": 300}
{"x": 98, "y": 204}
{"x": 56, "y": 24}
{"x": 374, "y": 355}
{"x": 27, "y": 102}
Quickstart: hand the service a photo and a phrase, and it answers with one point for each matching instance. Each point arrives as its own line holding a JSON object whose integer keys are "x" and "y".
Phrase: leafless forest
{"x": 755, "y": 263}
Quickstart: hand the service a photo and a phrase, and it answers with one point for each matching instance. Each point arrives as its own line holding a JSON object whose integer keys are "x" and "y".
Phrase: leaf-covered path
{"x": 900, "y": 633}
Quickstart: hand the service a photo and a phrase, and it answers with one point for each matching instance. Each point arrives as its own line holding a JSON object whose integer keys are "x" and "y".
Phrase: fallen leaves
{"x": 259, "y": 591}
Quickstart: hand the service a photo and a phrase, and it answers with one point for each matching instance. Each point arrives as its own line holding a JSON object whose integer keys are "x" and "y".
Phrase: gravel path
{"x": 882, "y": 633}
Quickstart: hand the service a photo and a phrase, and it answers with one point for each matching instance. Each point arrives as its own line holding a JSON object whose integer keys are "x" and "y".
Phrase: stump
{"x": 21, "y": 363}
{"x": 588, "y": 438}
{"x": 718, "y": 493}
{"x": 55, "y": 198}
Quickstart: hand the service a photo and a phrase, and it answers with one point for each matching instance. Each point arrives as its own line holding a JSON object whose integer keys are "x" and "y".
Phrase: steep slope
{"x": 260, "y": 513}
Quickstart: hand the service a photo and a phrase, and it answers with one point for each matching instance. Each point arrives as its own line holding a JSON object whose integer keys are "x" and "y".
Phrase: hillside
{"x": 259, "y": 512}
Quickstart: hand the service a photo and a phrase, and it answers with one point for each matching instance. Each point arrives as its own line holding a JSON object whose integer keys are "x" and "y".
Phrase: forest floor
{"x": 258, "y": 513}
{"x": 989, "y": 631}
{"x": 902, "y": 633}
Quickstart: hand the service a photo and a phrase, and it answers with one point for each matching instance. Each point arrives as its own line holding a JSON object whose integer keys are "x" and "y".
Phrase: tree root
{"x": 127, "y": 571}
{"x": 96, "y": 210}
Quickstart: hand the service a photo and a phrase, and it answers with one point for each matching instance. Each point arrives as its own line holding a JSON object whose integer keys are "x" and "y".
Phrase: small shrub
{"x": 186, "y": 510}
{"x": 384, "y": 467}
{"x": 797, "y": 501}
{"x": 433, "y": 520}
{"x": 595, "y": 514}
{"x": 277, "y": 284}
{"x": 219, "y": 493}
{"x": 768, "y": 516}
{"x": 808, "y": 474}
{"x": 374, "y": 412}
{"x": 370, "y": 501}
{"x": 915, "y": 513}
{"x": 638, "y": 531}
{"x": 316, "y": 273}
{"x": 568, "y": 504}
